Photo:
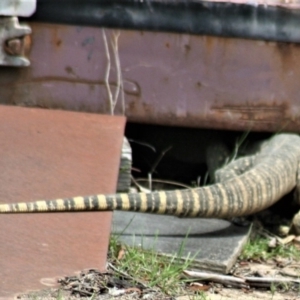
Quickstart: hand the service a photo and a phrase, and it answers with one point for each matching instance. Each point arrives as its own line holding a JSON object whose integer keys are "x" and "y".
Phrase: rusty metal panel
{"x": 48, "y": 154}
{"x": 169, "y": 78}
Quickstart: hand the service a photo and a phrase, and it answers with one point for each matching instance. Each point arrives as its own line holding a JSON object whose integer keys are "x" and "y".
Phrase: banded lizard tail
{"x": 245, "y": 186}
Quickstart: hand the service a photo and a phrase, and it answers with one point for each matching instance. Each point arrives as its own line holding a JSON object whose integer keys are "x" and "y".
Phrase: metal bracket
{"x": 12, "y": 44}
{"x": 20, "y": 8}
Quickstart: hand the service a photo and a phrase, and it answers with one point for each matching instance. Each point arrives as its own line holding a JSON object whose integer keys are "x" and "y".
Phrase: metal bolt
{"x": 14, "y": 46}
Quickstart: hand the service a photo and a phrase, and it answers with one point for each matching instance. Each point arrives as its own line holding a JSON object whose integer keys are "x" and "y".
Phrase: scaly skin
{"x": 245, "y": 186}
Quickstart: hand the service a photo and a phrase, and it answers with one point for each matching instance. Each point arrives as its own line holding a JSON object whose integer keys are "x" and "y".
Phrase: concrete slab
{"x": 216, "y": 243}
{"x": 51, "y": 154}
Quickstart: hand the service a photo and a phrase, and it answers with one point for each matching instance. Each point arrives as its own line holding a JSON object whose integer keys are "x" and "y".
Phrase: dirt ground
{"x": 108, "y": 286}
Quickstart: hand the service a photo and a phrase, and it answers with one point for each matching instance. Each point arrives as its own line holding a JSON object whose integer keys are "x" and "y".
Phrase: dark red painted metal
{"x": 169, "y": 78}
{"x": 48, "y": 154}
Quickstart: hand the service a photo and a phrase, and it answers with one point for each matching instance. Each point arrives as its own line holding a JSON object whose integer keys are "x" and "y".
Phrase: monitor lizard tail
{"x": 245, "y": 186}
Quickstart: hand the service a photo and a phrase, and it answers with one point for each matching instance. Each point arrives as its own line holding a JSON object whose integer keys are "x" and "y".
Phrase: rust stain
{"x": 56, "y": 40}
{"x": 148, "y": 108}
{"x": 287, "y": 49}
{"x": 288, "y": 53}
{"x": 284, "y": 49}
{"x": 255, "y": 112}
{"x": 208, "y": 43}
{"x": 27, "y": 45}
{"x": 131, "y": 106}
{"x": 187, "y": 48}
{"x": 198, "y": 84}
{"x": 69, "y": 69}
{"x": 13, "y": 46}
{"x": 18, "y": 46}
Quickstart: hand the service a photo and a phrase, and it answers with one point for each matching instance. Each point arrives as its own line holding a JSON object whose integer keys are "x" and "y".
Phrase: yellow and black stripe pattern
{"x": 260, "y": 181}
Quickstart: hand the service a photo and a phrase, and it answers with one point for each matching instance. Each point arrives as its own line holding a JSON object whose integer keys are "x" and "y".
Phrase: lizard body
{"x": 245, "y": 186}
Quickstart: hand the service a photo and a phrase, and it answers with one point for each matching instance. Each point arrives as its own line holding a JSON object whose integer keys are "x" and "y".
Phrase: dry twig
{"x": 241, "y": 282}
{"x": 223, "y": 279}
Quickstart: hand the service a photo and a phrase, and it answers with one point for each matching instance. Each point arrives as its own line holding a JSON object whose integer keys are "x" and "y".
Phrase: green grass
{"x": 199, "y": 296}
{"x": 150, "y": 268}
{"x": 257, "y": 248}
{"x": 165, "y": 274}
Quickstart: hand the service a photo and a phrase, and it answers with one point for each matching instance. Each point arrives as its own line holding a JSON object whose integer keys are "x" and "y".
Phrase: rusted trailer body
{"x": 187, "y": 63}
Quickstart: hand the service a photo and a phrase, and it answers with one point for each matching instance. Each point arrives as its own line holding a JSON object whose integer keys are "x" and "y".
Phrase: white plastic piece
{"x": 22, "y": 8}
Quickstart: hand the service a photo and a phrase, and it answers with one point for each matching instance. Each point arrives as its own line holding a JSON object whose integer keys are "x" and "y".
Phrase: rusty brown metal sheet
{"x": 52, "y": 154}
{"x": 169, "y": 78}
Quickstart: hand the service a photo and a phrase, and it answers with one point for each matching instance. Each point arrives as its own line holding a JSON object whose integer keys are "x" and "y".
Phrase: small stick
{"x": 267, "y": 281}
{"x": 244, "y": 282}
{"x": 223, "y": 279}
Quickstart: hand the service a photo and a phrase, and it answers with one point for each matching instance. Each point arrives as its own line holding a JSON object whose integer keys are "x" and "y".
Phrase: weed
{"x": 199, "y": 296}
{"x": 60, "y": 295}
{"x": 151, "y": 268}
{"x": 258, "y": 248}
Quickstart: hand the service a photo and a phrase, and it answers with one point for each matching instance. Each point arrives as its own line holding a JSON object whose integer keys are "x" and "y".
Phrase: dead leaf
{"x": 197, "y": 287}
{"x": 132, "y": 290}
{"x": 287, "y": 239}
{"x": 272, "y": 243}
{"x": 121, "y": 254}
